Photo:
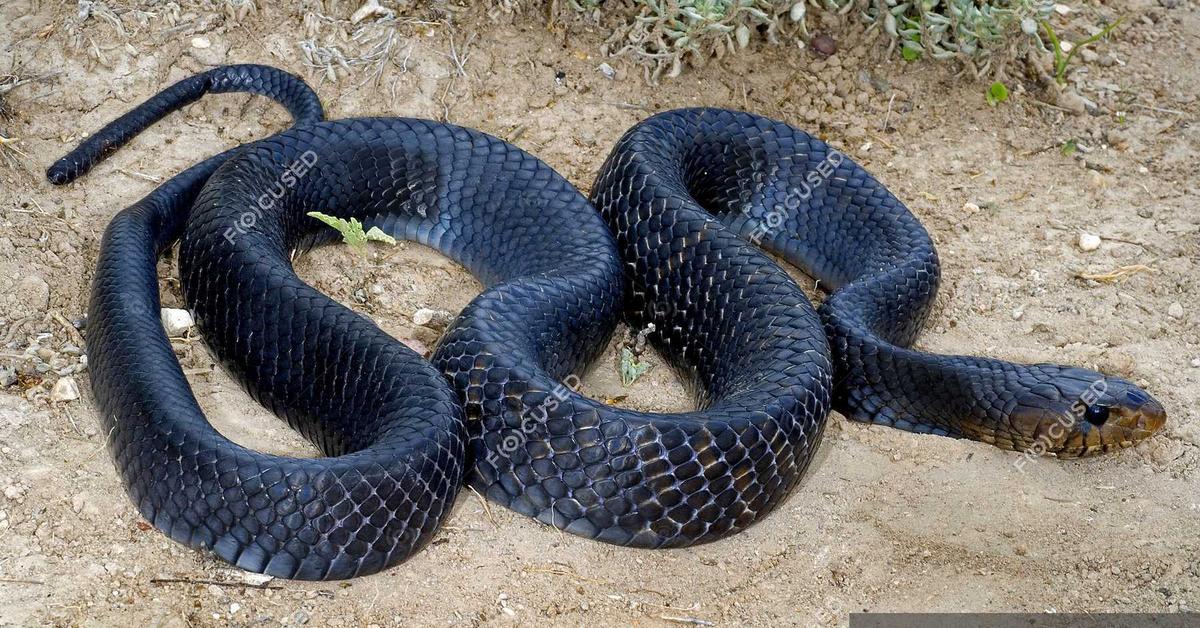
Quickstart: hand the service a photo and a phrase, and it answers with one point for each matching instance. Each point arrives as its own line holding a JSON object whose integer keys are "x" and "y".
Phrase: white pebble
{"x": 797, "y": 12}
{"x": 201, "y": 43}
{"x": 971, "y": 208}
{"x": 1196, "y": 363}
{"x": 431, "y": 318}
{"x": 65, "y": 389}
{"x": 607, "y": 70}
{"x": 1018, "y": 314}
{"x": 1089, "y": 242}
{"x": 176, "y": 322}
{"x": 1175, "y": 310}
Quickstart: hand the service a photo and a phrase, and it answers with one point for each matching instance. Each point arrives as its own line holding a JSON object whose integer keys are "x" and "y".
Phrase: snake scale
{"x": 667, "y": 243}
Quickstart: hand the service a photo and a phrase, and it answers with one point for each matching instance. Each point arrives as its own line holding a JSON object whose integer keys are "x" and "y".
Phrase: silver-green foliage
{"x": 664, "y": 35}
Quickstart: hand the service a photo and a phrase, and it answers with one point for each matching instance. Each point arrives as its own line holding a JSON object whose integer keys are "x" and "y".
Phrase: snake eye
{"x": 1096, "y": 414}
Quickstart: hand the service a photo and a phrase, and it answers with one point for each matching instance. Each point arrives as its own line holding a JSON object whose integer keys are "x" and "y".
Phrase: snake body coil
{"x": 682, "y": 193}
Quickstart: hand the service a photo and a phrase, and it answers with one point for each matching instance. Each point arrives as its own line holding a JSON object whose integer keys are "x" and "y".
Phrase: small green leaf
{"x": 1069, "y": 147}
{"x": 376, "y": 234}
{"x": 910, "y": 54}
{"x": 997, "y": 93}
{"x": 631, "y": 369}
{"x": 352, "y": 231}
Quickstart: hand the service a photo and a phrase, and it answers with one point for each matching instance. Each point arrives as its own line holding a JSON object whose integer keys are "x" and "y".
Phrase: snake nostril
{"x": 1096, "y": 414}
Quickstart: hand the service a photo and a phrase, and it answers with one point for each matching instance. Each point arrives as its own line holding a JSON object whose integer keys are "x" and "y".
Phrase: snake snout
{"x": 1079, "y": 412}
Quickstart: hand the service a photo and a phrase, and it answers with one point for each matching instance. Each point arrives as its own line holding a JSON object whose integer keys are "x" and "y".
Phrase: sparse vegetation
{"x": 1064, "y": 51}
{"x": 664, "y": 36}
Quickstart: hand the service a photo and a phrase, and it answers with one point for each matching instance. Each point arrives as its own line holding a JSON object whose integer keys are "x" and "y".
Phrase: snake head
{"x": 1075, "y": 412}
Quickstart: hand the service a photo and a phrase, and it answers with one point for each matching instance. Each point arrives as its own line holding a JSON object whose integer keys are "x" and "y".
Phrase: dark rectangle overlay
{"x": 1024, "y": 620}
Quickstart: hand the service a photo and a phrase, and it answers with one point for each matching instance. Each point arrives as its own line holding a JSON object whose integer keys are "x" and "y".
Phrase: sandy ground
{"x": 885, "y": 520}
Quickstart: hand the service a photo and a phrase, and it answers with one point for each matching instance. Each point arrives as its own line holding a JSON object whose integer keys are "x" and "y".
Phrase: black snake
{"x": 667, "y": 250}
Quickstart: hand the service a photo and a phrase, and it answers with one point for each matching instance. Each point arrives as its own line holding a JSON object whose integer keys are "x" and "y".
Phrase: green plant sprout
{"x": 1063, "y": 59}
{"x": 352, "y": 232}
{"x": 631, "y": 368}
{"x": 996, "y": 94}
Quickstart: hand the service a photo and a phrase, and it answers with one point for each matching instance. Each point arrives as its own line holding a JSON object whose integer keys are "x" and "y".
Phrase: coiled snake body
{"x": 680, "y": 201}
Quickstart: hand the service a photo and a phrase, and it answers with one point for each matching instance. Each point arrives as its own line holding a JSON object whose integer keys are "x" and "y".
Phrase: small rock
{"x": 201, "y": 43}
{"x": 8, "y": 376}
{"x": 45, "y": 354}
{"x": 1145, "y": 212}
{"x": 1196, "y": 363}
{"x": 1069, "y": 100}
{"x": 13, "y": 492}
{"x": 824, "y": 45}
{"x": 1175, "y": 310}
{"x": 78, "y": 502}
{"x": 433, "y": 319}
{"x": 1089, "y": 56}
{"x": 300, "y": 617}
{"x": 1018, "y": 314}
{"x": 1089, "y": 242}
{"x": 176, "y": 322}
{"x": 608, "y": 71}
{"x": 65, "y": 389}
{"x": 971, "y": 208}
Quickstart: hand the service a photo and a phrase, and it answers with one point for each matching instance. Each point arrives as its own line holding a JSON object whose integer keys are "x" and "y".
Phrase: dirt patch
{"x": 885, "y": 520}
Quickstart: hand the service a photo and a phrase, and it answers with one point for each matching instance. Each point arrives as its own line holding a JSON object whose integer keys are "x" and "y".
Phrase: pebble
{"x": 78, "y": 502}
{"x": 8, "y": 376}
{"x": 971, "y": 208}
{"x": 1175, "y": 310}
{"x": 12, "y": 492}
{"x": 176, "y": 322}
{"x": 1018, "y": 314}
{"x": 608, "y": 71}
{"x": 65, "y": 389}
{"x": 1196, "y": 363}
{"x": 1145, "y": 212}
{"x": 434, "y": 319}
{"x": 1089, "y": 242}
{"x": 201, "y": 43}
{"x": 300, "y": 617}
{"x": 824, "y": 45}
